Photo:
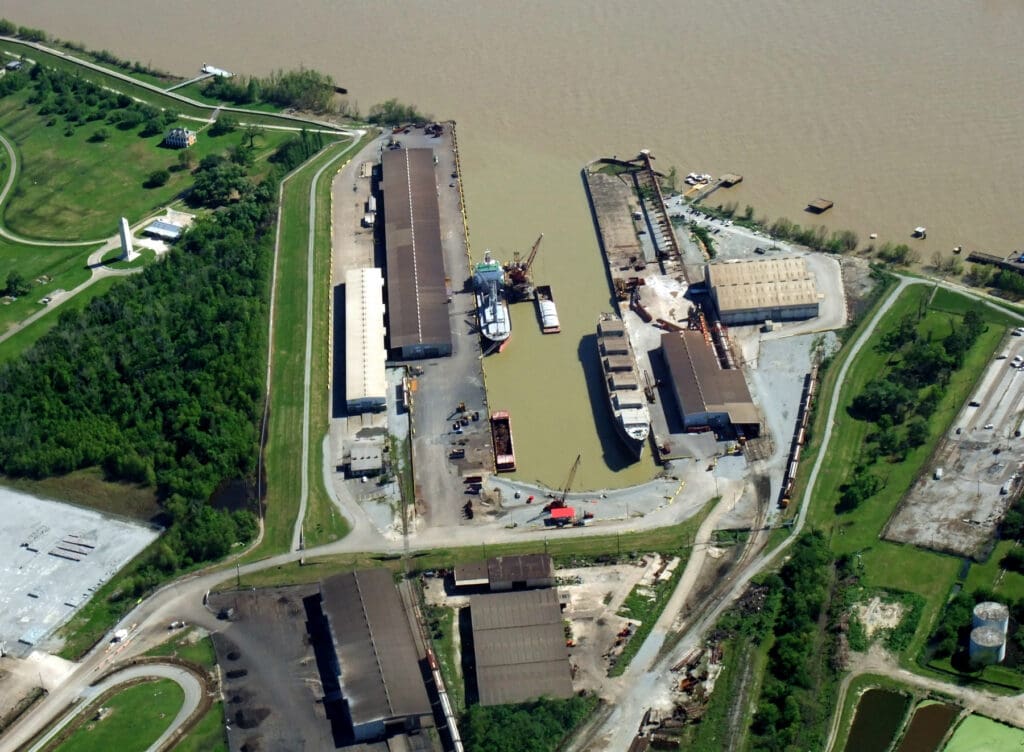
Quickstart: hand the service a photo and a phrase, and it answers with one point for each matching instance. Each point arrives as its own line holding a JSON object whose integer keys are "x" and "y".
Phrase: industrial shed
{"x": 366, "y": 385}
{"x": 755, "y": 291}
{"x": 707, "y": 395}
{"x": 416, "y": 293}
{"x": 519, "y": 646}
{"x": 508, "y": 573}
{"x": 376, "y": 659}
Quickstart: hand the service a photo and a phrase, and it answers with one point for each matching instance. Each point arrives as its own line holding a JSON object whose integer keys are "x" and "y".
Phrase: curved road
{"x": 188, "y": 682}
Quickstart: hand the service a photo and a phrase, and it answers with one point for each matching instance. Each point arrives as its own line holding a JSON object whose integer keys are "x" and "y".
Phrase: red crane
{"x": 519, "y": 273}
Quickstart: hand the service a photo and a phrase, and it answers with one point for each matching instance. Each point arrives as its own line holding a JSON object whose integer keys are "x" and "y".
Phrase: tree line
{"x": 538, "y": 726}
{"x": 304, "y": 89}
{"x": 900, "y": 402}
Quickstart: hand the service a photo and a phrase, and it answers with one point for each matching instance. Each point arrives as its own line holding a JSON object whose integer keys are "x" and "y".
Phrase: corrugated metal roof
{"x": 365, "y": 355}
{"x": 519, "y": 646}
{"x": 700, "y": 385}
{"x": 518, "y": 568}
{"x": 417, "y": 299}
{"x": 762, "y": 283}
{"x": 380, "y": 675}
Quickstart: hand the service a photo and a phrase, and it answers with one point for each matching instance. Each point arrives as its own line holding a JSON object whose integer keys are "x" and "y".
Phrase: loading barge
{"x": 501, "y": 433}
{"x": 546, "y": 310}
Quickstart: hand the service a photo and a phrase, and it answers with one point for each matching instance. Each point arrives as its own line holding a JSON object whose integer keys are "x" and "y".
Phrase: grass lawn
{"x": 16, "y": 345}
{"x": 323, "y": 523}
{"x": 63, "y": 266}
{"x": 1009, "y": 585}
{"x": 443, "y": 640}
{"x": 55, "y": 196}
{"x": 137, "y": 717}
{"x": 208, "y": 735}
{"x": 283, "y": 452}
{"x": 891, "y": 565}
{"x": 184, "y": 644}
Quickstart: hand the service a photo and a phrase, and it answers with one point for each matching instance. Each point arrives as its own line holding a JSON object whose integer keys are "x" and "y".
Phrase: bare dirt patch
{"x": 877, "y": 615}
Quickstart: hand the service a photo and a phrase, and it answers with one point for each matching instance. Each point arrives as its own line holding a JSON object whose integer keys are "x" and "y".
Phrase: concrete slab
{"x": 53, "y": 558}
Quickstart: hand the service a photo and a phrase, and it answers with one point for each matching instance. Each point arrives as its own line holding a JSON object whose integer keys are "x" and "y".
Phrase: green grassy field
{"x": 646, "y": 610}
{"x": 64, "y": 266}
{"x": 62, "y": 177}
{"x": 991, "y": 576}
{"x": 283, "y": 455}
{"x": 443, "y": 641}
{"x": 208, "y": 735}
{"x": 979, "y": 734}
{"x": 891, "y": 565}
{"x": 183, "y": 644}
{"x": 137, "y": 717}
{"x": 24, "y": 339}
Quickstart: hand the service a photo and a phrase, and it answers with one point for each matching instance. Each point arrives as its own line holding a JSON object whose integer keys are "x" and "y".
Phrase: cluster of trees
{"x": 538, "y": 726}
{"x": 901, "y": 402}
{"x": 817, "y": 238}
{"x": 16, "y": 284}
{"x": 304, "y": 89}
{"x": 983, "y": 275}
{"x": 790, "y": 710}
{"x": 393, "y": 112}
{"x": 77, "y": 101}
{"x": 10, "y": 29}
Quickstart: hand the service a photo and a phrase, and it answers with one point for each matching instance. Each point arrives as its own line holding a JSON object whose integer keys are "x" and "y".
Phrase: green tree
{"x": 16, "y": 285}
{"x": 157, "y": 178}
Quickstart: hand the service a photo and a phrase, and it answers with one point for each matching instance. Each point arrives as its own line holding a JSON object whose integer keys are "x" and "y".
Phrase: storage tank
{"x": 988, "y": 645}
{"x": 991, "y": 614}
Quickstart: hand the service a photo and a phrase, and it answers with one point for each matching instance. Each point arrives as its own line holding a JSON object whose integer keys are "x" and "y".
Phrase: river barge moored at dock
{"x": 622, "y": 384}
{"x": 546, "y": 310}
{"x": 504, "y": 450}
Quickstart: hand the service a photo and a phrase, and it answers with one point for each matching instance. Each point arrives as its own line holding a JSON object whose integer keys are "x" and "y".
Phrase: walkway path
{"x": 188, "y": 682}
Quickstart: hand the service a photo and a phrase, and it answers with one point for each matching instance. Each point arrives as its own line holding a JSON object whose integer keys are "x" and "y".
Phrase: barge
{"x": 622, "y": 384}
{"x": 546, "y": 310}
{"x": 501, "y": 433}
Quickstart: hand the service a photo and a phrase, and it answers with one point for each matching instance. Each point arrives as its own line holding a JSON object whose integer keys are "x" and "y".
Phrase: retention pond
{"x": 928, "y": 727}
{"x": 878, "y": 718}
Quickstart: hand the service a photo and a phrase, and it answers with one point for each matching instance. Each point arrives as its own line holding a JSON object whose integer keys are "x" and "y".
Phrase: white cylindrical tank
{"x": 991, "y": 614}
{"x": 988, "y": 645}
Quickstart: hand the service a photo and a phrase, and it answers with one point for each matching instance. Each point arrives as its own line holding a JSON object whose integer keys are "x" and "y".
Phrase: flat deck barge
{"x": 504, "y": 451}
{"x": 546, "y": 310}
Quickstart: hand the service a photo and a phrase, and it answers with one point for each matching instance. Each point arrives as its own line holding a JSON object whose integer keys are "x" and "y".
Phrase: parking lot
{"x": 956, "y": 505}
{"x": 54, "y": 558}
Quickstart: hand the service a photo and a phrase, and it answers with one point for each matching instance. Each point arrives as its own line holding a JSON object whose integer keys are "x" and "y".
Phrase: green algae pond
{"x": 879, "y": 715}
{"x": 928, "y": 727}
{"x": 979, "y": 734}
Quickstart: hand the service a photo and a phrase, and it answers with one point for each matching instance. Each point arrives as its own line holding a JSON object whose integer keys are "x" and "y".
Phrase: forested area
{"x": 304, "y": 89}
{"x": 160, "y": 382}
{"x": 538, "y": 726}
{"x": 791, "y": 709}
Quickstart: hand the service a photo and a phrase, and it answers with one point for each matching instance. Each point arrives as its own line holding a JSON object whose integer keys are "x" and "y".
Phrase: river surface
{"x": 904, "y": 114}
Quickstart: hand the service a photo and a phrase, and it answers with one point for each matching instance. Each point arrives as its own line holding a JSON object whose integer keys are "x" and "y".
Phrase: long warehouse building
{"x": 706, "y": 394}
{"x": 759, "y": 290}
{"x": 418, "y": 321}
{"x": 366, "y": 384}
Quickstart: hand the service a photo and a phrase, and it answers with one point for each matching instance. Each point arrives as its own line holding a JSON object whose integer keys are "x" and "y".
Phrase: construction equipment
{"x": 520, "y": 287}
{"x": 559, "y": 501}
{"x": 648, "y": 387}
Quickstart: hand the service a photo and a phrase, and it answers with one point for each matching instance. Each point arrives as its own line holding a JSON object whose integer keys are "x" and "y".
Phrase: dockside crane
{"x": 559, "y": 501}
{"x": 519, "y": 274}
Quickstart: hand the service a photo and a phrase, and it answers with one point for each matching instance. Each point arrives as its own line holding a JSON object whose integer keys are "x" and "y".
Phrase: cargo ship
{"x": 504, "y": 451}
{"x": 622, "y": 383}
{"x": 547, "y": 311}
{"x": 491, "y": 307}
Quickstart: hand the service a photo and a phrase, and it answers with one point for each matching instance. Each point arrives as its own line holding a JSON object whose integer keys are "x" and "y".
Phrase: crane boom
{"x": 572, "y": 475}
{"x": 533, "y": 254}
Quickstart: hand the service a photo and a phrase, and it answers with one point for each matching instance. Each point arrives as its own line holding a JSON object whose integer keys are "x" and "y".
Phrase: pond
{"x": 878, "y": 717}
{"x": 928, "y": 727}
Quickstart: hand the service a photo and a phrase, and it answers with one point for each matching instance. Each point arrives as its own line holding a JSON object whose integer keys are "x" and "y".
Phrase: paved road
{"x": 188, "y": 682}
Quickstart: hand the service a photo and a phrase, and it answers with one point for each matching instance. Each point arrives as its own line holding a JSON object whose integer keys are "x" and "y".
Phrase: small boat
{"x": 546, "y": 310}
{"x": 492, "y": 309}
{"x": 504, "y": 451}
{"x": 920, "y": 232}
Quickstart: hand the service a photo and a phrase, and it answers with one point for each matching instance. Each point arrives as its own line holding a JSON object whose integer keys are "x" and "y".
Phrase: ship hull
{"x": 625, "y": 397}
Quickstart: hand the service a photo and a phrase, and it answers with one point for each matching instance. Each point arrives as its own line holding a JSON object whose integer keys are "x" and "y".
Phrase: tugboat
{"x": 491, "y": 308}
{"x": 622, "y": 384}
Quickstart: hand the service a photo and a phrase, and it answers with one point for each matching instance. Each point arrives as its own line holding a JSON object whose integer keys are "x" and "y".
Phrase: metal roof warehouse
{"x": 366, "y": 385}
{"x": 519, "y": 646}
{"x": 417, "y": 298}
{"x": 750, "y": 292}
{"x": 379, "y": 670}
{"x": 706, "y": 394}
